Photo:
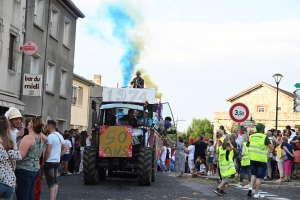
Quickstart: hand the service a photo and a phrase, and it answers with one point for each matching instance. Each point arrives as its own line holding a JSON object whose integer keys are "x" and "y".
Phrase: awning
{"x": 9, "y": 101}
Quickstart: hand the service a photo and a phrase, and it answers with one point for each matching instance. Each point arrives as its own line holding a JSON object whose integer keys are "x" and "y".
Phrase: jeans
{"x": 243, "y": 169}
{"x": 25, "y": 181}
{"x": 6, "y": 192}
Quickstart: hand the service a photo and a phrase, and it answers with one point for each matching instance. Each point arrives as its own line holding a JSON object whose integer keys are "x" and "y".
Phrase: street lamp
{"x": 178, "y": 120}
{"x": 277, "y": 78}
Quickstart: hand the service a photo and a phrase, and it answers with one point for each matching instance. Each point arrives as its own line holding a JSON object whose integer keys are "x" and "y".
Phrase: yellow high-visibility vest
{"x": 257, "y": 149}
{"x": 226, "y": 167}
{"x": 245, "y": 157}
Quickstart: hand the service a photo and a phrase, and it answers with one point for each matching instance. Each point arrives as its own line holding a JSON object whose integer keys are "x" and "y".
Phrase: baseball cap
{"x": 138, "y": 73}
{"x": 260, "y": 127}
{"x": 205, "y": 139}
{"x": 146, "y": 111}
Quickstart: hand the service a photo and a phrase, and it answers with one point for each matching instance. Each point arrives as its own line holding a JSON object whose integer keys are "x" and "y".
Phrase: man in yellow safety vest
{"x": 259, "y": 147}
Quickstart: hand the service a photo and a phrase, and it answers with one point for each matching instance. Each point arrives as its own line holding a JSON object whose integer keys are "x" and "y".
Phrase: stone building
{"x": 261, "y": 101}
{"x": 51, "y": 25}
{"x": 11, "y": 38}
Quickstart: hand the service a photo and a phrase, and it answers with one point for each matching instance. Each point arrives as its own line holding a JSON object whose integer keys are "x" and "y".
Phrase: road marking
{"x": 266, "y": 194}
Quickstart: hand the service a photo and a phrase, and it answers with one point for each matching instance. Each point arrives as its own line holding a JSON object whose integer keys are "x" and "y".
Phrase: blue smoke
{"x": 122, "y": 24}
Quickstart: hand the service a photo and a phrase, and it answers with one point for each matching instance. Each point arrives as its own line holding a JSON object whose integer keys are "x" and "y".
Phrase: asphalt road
{"x": 124, "y": 186}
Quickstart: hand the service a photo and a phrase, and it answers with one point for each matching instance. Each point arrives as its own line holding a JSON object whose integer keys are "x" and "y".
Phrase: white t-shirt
{"x": 191, "y": 150}
{"x": 239, "y": 140}
{"x": 202, "y": 168}
{"x": 88, "y": 142}
{"x": 164, "y": 153}
{"x": 14, "y": 132}
{"x": 56, "y": 140}
{"x": 212, "y": 150}
{"x": 69, "y": 144}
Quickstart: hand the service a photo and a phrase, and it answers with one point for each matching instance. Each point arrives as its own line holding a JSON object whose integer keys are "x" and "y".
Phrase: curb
{"x": 293, "y": 183}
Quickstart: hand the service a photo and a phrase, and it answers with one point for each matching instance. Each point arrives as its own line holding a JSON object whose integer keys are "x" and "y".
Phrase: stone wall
{"x": 263, "y": 97}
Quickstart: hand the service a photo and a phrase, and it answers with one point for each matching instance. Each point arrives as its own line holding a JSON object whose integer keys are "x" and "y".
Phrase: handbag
{"x": 12, "y": 166}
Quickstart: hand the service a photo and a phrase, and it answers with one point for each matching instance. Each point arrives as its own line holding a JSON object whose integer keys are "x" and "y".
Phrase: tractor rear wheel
{"x": 144, "y": 168}
{"x": 90, "y": 169}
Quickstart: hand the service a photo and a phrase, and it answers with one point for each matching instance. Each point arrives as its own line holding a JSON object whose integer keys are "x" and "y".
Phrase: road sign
{"x": 297, "y": 85}
{"x": 239, "y": 112}
{"x": 297, "y": 99}
{"x": 29, "y": 48}
{"x": 248, "y": 123}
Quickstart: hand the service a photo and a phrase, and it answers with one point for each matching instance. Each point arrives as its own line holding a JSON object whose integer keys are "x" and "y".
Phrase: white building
{"x": 12, "y": 14}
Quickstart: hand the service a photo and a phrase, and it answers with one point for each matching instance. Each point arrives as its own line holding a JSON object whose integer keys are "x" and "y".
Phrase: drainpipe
{"x": 45, "y": 60}
{"x": 23, "y": 55}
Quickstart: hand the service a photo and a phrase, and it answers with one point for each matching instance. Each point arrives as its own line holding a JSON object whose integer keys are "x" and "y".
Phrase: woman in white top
{"x": 191, "y": 151}
{"x": 163, "y": 156}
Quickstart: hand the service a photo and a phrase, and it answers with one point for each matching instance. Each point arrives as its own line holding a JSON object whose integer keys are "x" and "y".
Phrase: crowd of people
{"x": 34, "y": 151}
{"x": 259, "y": 153}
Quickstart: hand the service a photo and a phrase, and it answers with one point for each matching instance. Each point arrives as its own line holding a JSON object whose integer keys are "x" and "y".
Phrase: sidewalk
{"x": 295, "y": 181}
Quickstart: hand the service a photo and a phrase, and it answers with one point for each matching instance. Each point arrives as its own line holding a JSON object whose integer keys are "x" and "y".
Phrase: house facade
{"x": 51, "y": 25}
{"x": 261, "y": 101}
{"x": 11, "y": 38}
{"x": 80, "y": 110}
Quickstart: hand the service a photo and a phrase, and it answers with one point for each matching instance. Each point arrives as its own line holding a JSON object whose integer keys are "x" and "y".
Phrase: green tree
{"x": 184, "y": 135}
{"x": 201, "y": 127}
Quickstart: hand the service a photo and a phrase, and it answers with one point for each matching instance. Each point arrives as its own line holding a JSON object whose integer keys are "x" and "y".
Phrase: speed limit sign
{"x": 239, "y": 112}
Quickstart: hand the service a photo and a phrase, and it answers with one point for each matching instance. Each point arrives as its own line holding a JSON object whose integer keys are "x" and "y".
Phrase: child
{"x": 210, "y": 155}
{"x": 200, "y": 168}
{"x": 226, "y": 165}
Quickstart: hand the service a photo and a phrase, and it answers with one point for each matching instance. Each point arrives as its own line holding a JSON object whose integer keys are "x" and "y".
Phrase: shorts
{"x": 50, "y": 170}
{"x": 210, "y": 160}
{"x": 66, "y": 157}
{"x": 258, "y": 169}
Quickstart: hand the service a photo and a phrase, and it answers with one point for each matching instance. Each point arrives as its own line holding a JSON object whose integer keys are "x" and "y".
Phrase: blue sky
{"x": 199, "y": 53}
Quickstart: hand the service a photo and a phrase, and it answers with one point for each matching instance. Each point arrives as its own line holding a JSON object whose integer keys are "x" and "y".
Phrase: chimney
{"x": 97, "y": 79}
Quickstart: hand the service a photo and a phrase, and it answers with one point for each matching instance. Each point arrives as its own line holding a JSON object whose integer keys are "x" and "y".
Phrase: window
{"x": 50, "y": 77}
{"x": 35, "y": 65}
{"x": 261, "y": 109}
{"x": 11, "y": 61}
{"x": 74, "y": 95}
{"x": 61, "y": 124}
{"x": 77, "y": 95}
{"x": 67, "y": 29}
{"x": 63, "y": 83}
{"x": 39, "y": 12}
{"x": 54, "y": 21}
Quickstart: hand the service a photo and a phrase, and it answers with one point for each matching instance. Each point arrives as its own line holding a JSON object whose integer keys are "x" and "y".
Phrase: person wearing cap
{"x": 15, "y": 120}
{"x": 148, "y": 121}
{"x": 190, "y": 152}
{"x": 259, "y": 148}
{"x": 137, "y": 82}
